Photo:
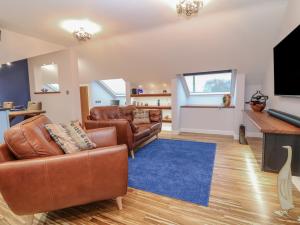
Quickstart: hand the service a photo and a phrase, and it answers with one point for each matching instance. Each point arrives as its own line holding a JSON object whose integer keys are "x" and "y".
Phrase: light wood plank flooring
{"x": 240, "y": 194}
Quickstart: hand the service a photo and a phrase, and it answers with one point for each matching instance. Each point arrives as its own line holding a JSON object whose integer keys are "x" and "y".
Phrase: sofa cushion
{"x": 141, "y": 116}
{"x": 105, "y": 113}
{"x": 155, "y": 115}
{"x": 127, "y": 112}
{"x": 143, "y": 132}
{"x": 152, "y": 126}
{"x": 30, "y": 139}
{"x": 70, "y": 137}
{"x": 134, "y": 128}
{"x": 155, "y": 126}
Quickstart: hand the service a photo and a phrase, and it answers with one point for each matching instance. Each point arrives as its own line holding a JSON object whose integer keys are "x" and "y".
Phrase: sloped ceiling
{"x": 239, "y": 38}
{"x": 145, "y": 41}
{"x": 15, "y": 46}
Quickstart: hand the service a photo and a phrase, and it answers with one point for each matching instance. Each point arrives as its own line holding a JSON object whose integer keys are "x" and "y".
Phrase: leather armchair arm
{"x": 124, "y": 132}
{"x": 103, "y": 137}
{"x": 56, "y": 182}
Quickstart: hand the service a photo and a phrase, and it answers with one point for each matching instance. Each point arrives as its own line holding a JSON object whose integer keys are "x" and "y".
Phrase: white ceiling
{"x": 145, "y": 41}
{"x": 239, "y": 35}
{"x": 41, "y": 18}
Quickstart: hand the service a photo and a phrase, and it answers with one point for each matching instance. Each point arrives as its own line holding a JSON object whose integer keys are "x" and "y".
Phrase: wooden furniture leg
{"x": 119, "y": 203}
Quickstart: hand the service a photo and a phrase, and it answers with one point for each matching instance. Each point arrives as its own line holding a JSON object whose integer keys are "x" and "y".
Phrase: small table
{"x": 26, "y": 113}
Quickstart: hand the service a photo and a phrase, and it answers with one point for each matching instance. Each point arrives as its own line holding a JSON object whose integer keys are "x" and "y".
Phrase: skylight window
{"x": 116, "y": 86}
{"x": 218, "y": 82}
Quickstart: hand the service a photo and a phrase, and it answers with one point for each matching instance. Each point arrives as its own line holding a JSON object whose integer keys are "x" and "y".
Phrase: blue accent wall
{"x": 14, "y": 83}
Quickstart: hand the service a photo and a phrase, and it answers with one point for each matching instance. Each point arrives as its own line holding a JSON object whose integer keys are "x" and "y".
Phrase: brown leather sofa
{"x": 121, "y": 118}
{"x": 56, "y": 180}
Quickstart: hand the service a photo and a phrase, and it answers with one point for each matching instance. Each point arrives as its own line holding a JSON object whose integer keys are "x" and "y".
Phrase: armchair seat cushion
{"x": 143, "y": 132}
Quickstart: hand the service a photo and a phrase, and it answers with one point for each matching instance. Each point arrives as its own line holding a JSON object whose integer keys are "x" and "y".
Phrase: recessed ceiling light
{"x": 75, "y": 25}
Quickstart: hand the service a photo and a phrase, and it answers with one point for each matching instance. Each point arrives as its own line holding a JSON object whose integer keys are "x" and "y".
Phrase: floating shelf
{"x": 154, "y": 107}
{"x": 167, "y": 121}
{"x": 46, "y": 93}
{"x": 151, "y": 95}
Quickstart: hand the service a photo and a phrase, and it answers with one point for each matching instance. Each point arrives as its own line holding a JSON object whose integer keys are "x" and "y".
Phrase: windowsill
{"x": 208, "y": 106}
{"x": 212, "y": 93}
{"x": 45, "y": 93}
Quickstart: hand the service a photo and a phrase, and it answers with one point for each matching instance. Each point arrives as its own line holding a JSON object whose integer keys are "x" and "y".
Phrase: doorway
{"x": 84, "y": 102}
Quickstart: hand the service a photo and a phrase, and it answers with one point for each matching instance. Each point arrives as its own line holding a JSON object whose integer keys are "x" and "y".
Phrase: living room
{"x": 182, "y": 112}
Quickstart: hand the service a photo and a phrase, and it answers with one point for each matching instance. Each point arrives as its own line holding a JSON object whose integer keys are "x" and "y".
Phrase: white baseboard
{"x": 202, "y": 131}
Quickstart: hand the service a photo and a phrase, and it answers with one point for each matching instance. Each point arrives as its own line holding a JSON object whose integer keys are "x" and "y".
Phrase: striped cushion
{"x": 141, "y": 116}
{"x": 70, "y": 137}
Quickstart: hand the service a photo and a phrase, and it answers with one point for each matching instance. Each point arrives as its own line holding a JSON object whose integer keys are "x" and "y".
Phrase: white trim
{"x": 254, "y": 134}
{"x": 175, "y": 132}
{"x": 296, "y": 182}
{"x": 202, "y": 131}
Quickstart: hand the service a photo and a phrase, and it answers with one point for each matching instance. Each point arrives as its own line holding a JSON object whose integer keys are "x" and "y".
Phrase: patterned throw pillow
{"x": 141, "y": 116}
{"x": 70, "y": 137}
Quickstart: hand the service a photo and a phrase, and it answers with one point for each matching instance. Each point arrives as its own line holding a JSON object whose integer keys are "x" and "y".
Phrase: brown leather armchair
{"x": 55, "y": 182}
{"x": 121, "y": 118}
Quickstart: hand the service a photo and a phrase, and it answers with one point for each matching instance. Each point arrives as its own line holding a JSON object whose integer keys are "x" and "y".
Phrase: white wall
{"x": 64, "y": 106}
{"x": 179, "y": 98}
{"x": 100, "y": 97}
{"x": 15, "y": 46}
{"x": 286, "y": 104}
{"x": 223, "y": 121}
{"x": 207, "y": 120}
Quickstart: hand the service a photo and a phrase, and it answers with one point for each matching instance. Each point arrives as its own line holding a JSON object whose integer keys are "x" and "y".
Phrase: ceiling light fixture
{"x": 82, "y": 30}
{"x": 8, "y": 64}
{"x": 82, "y": 35}
{"x": 189, "y": 7}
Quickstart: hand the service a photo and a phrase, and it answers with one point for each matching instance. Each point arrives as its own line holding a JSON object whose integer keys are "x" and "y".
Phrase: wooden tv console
{"x": 276, "y": 133}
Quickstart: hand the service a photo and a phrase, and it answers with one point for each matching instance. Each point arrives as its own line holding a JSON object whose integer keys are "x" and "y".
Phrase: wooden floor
{"x": 240, "y": 194}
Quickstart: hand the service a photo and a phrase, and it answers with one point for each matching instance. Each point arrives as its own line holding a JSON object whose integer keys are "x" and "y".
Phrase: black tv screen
{"x": 287, "y": 65}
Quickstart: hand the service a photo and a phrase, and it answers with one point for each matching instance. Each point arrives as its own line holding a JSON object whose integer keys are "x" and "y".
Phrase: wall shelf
{"x": 167, "y": 121}
{"x": 47, "y": 93}
{"x": 153, "y": 107}
{"x": 151, "y": 95}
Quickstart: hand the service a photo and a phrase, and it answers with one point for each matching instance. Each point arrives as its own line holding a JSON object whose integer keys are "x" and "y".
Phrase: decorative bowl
{"x": 258, "y": 107}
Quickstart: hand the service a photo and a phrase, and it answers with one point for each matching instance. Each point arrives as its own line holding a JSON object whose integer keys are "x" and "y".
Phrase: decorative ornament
{"x": 258, "y": 101}
{"x": 189, "y": 7}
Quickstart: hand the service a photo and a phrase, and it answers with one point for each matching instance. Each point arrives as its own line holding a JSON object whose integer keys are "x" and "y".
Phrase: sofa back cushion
{"x": 155, "y": 115}
{"x": 127, "y": 112}
{"x": 105, "y": 113}
{"x": 141, "y": 116}
{"x": 30, "y": 139}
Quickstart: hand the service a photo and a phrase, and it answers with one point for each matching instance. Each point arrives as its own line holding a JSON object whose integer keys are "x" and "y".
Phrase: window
{"x": 116, "y": 86}
{"x": 217, "y": 82}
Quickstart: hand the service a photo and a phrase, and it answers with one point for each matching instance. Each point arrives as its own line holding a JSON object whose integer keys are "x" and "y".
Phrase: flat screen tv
{"x": 287, "y": 65}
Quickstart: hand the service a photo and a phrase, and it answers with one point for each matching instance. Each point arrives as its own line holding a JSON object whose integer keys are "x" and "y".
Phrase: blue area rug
{"x": 174, "y": 168}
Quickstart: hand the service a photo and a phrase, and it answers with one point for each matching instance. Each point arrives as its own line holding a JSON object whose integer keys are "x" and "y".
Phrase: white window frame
{"x": 232, "y": 88}
{"x": 111, "y": 90}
